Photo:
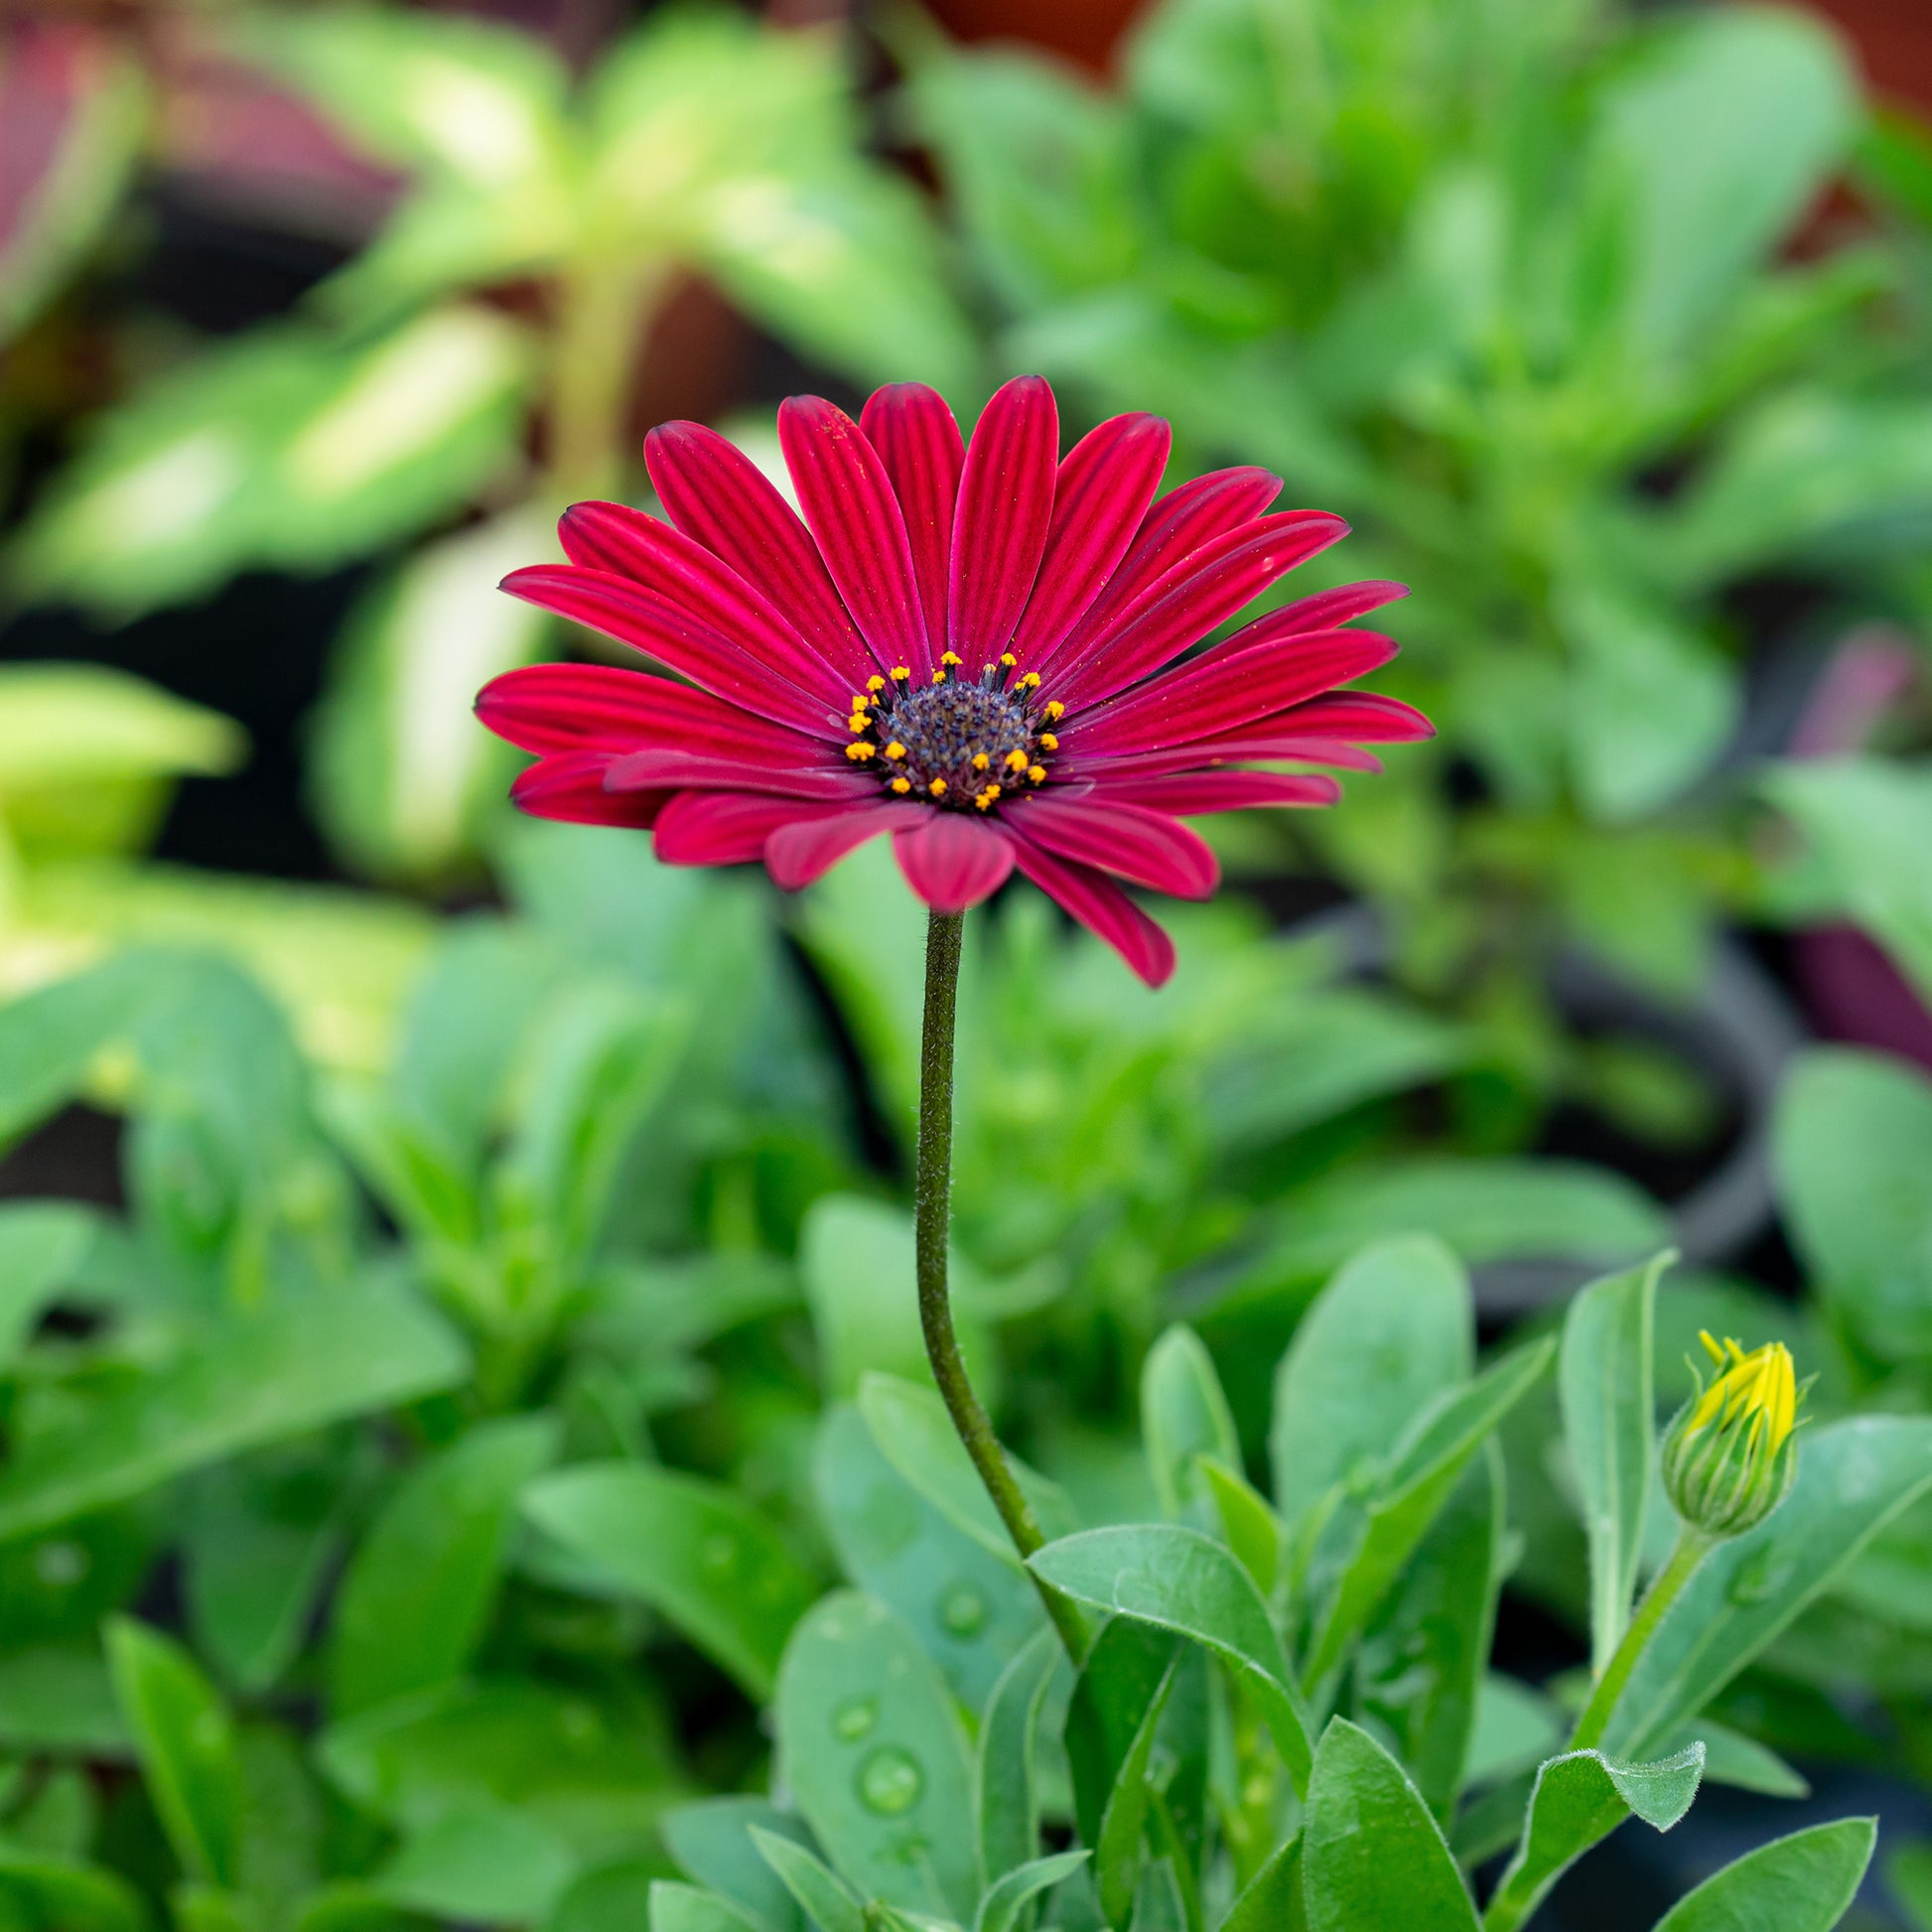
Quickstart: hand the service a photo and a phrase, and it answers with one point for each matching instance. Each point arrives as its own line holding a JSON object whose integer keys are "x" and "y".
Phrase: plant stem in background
{"x": 931, "y": 1213}
{"x": 601, "y": 314}
{"x": 1693, "y": 1545}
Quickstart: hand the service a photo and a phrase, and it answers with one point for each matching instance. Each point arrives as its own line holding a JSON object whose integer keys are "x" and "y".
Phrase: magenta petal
{"x": 1326, "y": 610}
{"x": 797, "y": 854}
{"x": 726, "y": 828}
{"x": 718, "y": 496}
{"x": 1100, "y": 495}
{"x": 1249, "y": 745}
{"x": 1225, "y": 576}
{"x": 1187, "y": 794}
{"x": 1006, "y": 501}
{"x": 1101, "y": 906}
{"x": 1217, "y": 694}
{"x": 1172, "y": 535}
{"x": 548, "y": 708}
{"x": 626, "y": 543}
{"x": 678, "y": 640}
{"x": 854, "y": 518}
{"x": 570, "y": 787}
{"x": 1128, "y": 839}
{"x": 953, "y": 860}
{"x": 656, "y": 768}
{"x": 1365, "y": 715}
{"x": 919, "y": 444}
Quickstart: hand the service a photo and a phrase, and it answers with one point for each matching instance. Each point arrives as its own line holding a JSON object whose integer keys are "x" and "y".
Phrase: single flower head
{"x": 1730, "y": 1454}
{"x": 980, "y": 649}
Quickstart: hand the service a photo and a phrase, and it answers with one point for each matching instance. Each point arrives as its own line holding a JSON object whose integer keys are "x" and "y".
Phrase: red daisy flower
{"x": 970, "y": 646}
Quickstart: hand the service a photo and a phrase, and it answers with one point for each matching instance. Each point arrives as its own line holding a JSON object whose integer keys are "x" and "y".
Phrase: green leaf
{"x": 486, "y": 1863}
{"x": 1715, "y": 139}
{"x": 1275, "y": 1898}
{"x": 1117, "y": 1847}
{"x": 822, "y": 1895}
{"x": 692, "y": 1549}
{"x": 1515, "y": 1729}
{"x": 1800, "y": 1883}
{"x": 1008, "y": 1804}
{"x": 1183, "y": 1414}
{"x": 1393, "y": 1329}
{"x": 1851, "y": 1152}
{"x": 1177, "y": 1579}
{"x": 597, "y": 1773}
{"x": 1605, "y": 1379}
{"x": 1651, "y": 702}
{"x": 403, "y": 782}
{"x": 42, "y": 1244}
{"x": 1000, "y": 1911}
{"x": 417, "y": 1597}
{"x": 1854, "y": 1478}
{"x": 1252, "y": 1529}
{"x": 60, "y": 1697}
{"x": 1868, "y": 821}
{"x": 871, "y": 1748}
{"x": 1419, "y": 1667}
{"x": 1372, "y": 1854}
{"x": 690, "y": 1908}
{"x": 285, "y": 448}
{"x": 187, "y": 1747}
{"x": 713, "y": 1842}
{"x": 913, "y": 1432}
{"x": 68, "y": 1894}
{"x": 1733, "y": 1758}
{"x": 1422, "y": 1470}
{"x": 309, "y": 1358}
{"x": 972, "y": 1612}
{"x": 1578, "y": 1799}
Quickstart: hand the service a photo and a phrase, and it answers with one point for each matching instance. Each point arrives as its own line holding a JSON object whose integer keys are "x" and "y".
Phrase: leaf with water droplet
{"x": 693, "y": 1550}
{"x": 971, "y": 1610}
{"x": 891, "y": 1804}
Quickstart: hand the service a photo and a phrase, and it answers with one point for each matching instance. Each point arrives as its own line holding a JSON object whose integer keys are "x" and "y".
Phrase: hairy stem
{"x": 931, "y": 1215}
{"x": 1691, "y": 1548}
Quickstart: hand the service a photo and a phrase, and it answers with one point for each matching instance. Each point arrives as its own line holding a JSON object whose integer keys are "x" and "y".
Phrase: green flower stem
{"x": 1693, "y": 1546}
{"x": 600, "y": 313}
{"x": 931, "y": 1215}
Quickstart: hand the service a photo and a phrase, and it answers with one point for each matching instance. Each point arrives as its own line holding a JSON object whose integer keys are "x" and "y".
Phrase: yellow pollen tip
{"x": 1048, "y": 742}
{"x": 938, "y": 677}
{"x": 895, "y": 750}
{"x": 1016, "y": 759}
{"x": 937, "y": 788}
{"x": 901, "y": 674}
{"x": 858, "y": 721}
{"x": 901, "y": 784}
{"x": 950, "y": 657}
{"x": 984, "y": 799}
{"x": 858, "y": 754}
{"x": 1031, "y": 682}
{"x": 1008, "y": 661}
{"x": 981, "y": 760}
{"x": 1036, "y": 773}
{"x": 1055, "y": 712}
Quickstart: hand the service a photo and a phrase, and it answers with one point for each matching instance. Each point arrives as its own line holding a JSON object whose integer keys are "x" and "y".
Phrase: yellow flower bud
{"x": 1731, "y": 1454}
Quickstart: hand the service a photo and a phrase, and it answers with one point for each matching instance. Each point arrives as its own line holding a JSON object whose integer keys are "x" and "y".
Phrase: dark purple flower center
{"x": 954, "y": 742}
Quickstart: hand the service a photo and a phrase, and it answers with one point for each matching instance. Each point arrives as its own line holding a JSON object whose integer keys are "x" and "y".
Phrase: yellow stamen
{"x": 937, "y": 788}
{"x": 1031, "y": 682}
{"x": 950, "y": 657}
{"x": 1054, "y": 712}
{"x": 895, "y": 750}
{"x": 858, "y": 754}
{"x": 901, "y": 784}
{"x": 901, "y": 674}
{"x": 875, "y": 683}
{"x": 1048, "y": 742}
{"x": 1008, "y": 661}
{"x": 1016, "y": 759}
{"x": 981, "y": 760}
{"x": 985, "y": 799}
{"x": 858, "y": 721}
{"x": 1036, "y": 773}
{"x": 938, "y": 677}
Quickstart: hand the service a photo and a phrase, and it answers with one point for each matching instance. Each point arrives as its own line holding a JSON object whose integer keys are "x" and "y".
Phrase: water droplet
{"x": 854, "y": 1718}
{"x": 890, "y": 1782}
{"x": 60, "y": 1565}
{"x": 963, "y": 1610}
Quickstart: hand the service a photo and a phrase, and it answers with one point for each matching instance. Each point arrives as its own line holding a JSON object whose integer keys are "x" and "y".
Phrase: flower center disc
{"x": 961, "y": 734}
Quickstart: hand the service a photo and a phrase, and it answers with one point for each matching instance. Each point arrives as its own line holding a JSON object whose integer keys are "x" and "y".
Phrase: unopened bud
{"x": 1731, "y": 1453}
